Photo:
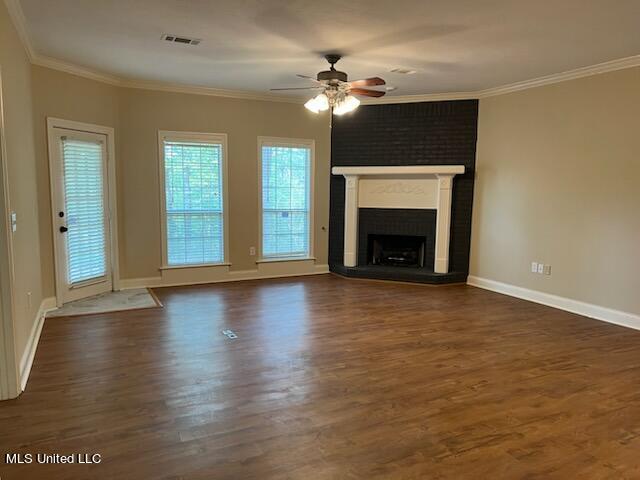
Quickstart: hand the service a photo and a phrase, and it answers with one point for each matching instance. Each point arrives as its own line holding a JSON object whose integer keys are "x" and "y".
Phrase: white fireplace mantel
{"x": 416, "y": 186}
{"x": 401, "y": 171}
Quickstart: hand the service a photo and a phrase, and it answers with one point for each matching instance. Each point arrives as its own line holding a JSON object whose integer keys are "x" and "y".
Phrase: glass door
{"x": 81, "y": 214}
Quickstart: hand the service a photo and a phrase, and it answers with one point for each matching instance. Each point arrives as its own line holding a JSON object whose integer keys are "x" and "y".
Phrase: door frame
{"x": 109, "y": 132}
{"x": 9, "y": 377}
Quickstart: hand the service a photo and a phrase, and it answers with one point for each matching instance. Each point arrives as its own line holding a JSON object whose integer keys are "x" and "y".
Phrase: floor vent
{"x": 229, "y": 334}
{"x": 178, "y": 39}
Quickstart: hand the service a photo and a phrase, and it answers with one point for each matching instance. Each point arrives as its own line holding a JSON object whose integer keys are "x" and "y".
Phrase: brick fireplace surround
{"x": 404, "y": 169}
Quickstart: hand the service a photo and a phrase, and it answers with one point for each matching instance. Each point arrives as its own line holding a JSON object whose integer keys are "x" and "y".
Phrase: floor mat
{"x": 109, "y": 302}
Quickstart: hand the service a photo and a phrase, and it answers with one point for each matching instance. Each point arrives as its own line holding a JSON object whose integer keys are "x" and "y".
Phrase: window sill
{"x": 284, "y": 259}
{"x": 198, "y": 265}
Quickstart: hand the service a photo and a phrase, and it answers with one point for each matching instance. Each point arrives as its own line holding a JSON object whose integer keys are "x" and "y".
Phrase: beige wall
{"x": 558, "y": 182}
{"x": 144, "y": 112}
{"x": 60, "y": 95}
{"x": 137, "y": 115}
{"x": 16, "y": 81}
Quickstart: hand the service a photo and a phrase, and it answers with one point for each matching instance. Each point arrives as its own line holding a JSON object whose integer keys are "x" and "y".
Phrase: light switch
{"x": 534, "y": 267}
{"x": 541, "y": 268}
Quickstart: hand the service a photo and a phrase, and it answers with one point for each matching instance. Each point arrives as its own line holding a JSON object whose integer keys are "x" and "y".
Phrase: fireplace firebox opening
{"x": 396, "y": 250}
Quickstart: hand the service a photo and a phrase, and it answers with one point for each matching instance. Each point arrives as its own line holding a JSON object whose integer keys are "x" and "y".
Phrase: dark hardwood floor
{"x": 331, "y": 379}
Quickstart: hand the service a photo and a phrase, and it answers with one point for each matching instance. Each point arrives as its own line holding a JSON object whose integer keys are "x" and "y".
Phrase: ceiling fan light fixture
{"x": 322, "y": 102}
{"x": 317, "y": 104}
{"x": 312, "y": 105}
{"x": 349, "y": 104}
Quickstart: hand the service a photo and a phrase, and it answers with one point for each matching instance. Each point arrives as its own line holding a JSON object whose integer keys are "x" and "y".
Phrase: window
{"x": 194, "y": 174}
{"x": 286, "y": 169}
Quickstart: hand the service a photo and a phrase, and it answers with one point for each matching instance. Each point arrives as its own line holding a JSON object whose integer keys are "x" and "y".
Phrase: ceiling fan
{"x": 337, "y": 94}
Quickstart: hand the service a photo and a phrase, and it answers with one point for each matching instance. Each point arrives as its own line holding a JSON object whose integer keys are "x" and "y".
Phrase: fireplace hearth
{"x": 396, "y": 250}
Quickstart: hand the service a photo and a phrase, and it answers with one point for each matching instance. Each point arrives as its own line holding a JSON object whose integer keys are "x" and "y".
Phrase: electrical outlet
{"x": 547, "y": 269}
{"x": 534, "y": 267}
{"x": 14, "y": 221}
{"x": 541, "y": 268}
{"x": 252, "y": 251}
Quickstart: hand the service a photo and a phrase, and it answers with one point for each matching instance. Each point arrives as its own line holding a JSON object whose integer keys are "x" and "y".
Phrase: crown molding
{"x": 73, "y": 69}
{"x": 216, "y": 92}
{"x": 428, "y": 97}
{"x": 610, "y": 66}
{"x": 77, "y": 70}
{"x": 19, "y": 20}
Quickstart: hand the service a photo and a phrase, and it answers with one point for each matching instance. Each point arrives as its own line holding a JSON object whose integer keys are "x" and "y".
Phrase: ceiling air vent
{"x": 403, "y": 71}
{"x": 179, "y": 39}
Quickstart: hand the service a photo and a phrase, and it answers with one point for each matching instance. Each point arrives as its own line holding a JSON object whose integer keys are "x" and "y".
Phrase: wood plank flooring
{"x": 331, "y": 378}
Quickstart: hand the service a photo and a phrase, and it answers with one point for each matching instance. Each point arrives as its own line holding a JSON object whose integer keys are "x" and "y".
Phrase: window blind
{"x": 194, "y": 204}
{"x": 285, "y": 200}
{"x": 84, "y": 210}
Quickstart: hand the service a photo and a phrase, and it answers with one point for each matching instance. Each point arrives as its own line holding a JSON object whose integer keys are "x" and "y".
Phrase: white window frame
{"x": 196, "y": 137}
{"x": 288, "y": 142}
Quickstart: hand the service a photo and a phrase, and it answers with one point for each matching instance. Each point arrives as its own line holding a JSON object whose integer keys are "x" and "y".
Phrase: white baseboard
{"x": 264, "y": 271}
{"x": 143, "y": 282}
{"x": 26, "y": 361}
{"x": 590, "y": 310}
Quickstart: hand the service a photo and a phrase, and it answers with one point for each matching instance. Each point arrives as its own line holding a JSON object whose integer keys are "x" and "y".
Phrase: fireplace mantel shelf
{"x": 406, "y": 170}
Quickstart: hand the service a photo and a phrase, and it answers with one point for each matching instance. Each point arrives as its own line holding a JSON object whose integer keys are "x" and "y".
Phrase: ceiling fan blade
{"x": 307, "y": 77}
{"x": 367, "y": 82}
{"x": 366, "y": 93}
{"x": 294, "y": 88}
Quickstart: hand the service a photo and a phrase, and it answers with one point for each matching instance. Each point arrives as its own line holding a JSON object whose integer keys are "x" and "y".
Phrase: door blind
{"x": 194, "y": 203}
{"x": 285, "y": 201}
{"x": 84, "y": 210}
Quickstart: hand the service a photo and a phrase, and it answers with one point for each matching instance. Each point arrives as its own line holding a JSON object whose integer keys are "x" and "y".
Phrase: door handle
{"x": 63, "y": 229}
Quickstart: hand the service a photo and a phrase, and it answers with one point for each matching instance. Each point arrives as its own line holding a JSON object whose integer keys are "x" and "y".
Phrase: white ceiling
{"x": 253, "y": 45}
